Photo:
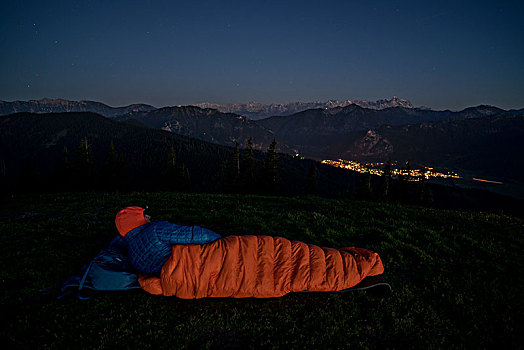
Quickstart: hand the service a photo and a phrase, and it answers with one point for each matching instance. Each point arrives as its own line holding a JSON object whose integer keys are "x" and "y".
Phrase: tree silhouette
{"x": 247, "y": 169}
{"x": 364, "y": 185}
{"x": 424, "y": 194}
{"x": 312, "y": 181}
{"x": 183, "y": 178}
{"x": 229, "y": 177}
{"x": 84, "y": 170}
{"x": 3, "y": 179}
{"x": 175, "y": 174}
{"x": 170, "y": 175}
{"x": 115, "y": 174}
{"x": 270, "y": 179}
{"x": 384, "y": 188}
{"x": 401, "y": 188}
{"x": 235, "y": 169}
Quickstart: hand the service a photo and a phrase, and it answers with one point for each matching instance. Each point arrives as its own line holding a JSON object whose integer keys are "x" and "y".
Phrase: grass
{"x": 455, "y": 275}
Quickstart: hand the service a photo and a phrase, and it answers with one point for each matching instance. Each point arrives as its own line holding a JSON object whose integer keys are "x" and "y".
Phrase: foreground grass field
{"x": 456, "y": 276}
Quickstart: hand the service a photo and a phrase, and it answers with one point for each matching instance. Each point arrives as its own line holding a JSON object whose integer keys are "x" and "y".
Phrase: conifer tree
{"x": 84, "y": 167}
{"x": 175, "y": 174}
{"x": 403, "y": 192}
{"x": 384, "y": 189}
{"x": 312, "y": 181}
{"x": 3, "y": 179}
{"x": 115, "y": 175}
{"x": 170, "y": 174}
{"x": 186, "y": 173}
{"x": 408, "y": 190}
{"x": 420, "y": 185}
{"x": 424, "y": 194}
{"x": 229, "y": 178}
{"x": 183, "y": 182}
{"x": 270, "y": 177}
{"x": 235, "y": 167}
{"x": 247, "y": 169}
{"x": 364, "y": 185}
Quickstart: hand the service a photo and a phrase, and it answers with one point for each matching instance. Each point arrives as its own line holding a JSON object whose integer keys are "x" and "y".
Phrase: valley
{"x": 412, "y": 174}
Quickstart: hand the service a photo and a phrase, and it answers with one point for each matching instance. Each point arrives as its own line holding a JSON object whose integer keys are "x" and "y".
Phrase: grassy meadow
{"x": 455, "y": 276}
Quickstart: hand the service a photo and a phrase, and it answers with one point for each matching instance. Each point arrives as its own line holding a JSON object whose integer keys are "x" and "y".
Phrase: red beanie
{"x": 129, "y": 218}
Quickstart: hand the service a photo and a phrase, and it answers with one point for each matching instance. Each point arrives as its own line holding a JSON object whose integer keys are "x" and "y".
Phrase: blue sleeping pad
{"x": 110, "y": 270}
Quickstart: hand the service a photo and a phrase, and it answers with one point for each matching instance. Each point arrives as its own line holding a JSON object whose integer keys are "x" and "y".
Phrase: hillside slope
{"x": 313, "y": 130}
{"x": 209, "y": 125}
{"x": 37, "y": 141}
{"x": 32, "y": 146}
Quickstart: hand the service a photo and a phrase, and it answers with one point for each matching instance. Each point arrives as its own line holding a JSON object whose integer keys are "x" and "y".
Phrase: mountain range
{"x": 252, "y": 110}
{"x": 255, "y": 110}
{"x": 314, "y": 130}
{"x": 47, "y": 105}
{"x": 208, "y": 125}
{"x": 483, "y": 139}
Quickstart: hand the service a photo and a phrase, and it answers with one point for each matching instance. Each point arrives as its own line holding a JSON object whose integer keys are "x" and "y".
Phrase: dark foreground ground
{"x": 456, "y": 276}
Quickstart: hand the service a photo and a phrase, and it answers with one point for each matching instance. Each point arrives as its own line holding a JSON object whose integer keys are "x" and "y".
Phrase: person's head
{"x": 130, "y": 218}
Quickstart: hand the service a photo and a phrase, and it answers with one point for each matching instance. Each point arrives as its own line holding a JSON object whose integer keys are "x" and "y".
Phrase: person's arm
{"x": 176, "y": 234}
{"x": 203, "y": 235}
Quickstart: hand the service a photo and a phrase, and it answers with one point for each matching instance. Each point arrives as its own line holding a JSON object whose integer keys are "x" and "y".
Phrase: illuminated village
{"x": 378, "y": 169}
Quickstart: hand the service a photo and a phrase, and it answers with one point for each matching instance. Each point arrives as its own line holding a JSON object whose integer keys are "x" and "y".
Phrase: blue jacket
{"x": 150, "y": 244}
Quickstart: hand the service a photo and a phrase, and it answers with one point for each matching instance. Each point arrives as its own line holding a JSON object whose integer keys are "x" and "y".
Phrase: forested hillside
{"x": 87, "y": 151}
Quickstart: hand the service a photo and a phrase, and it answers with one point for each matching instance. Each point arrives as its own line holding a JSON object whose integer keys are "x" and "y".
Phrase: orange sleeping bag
{"x": 260, "y": 267}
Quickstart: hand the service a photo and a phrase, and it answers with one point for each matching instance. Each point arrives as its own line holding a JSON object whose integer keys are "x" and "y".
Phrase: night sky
{"x": 439, "y": 54}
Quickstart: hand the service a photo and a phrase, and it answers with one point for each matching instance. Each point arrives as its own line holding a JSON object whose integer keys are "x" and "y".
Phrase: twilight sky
{"x": 440, "y": 54}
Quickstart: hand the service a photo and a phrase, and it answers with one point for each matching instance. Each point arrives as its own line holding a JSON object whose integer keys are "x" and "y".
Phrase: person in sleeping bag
{"x": 149, "y": 243}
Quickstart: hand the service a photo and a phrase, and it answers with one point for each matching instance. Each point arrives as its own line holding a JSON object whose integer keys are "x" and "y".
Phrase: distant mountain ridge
{"x": 255, "y": 110}
{"x": 209, "y": 125}
{"x": 307, "y": 133}
{"x": 47, "y": 105}
{"x": 313, "y": 130}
